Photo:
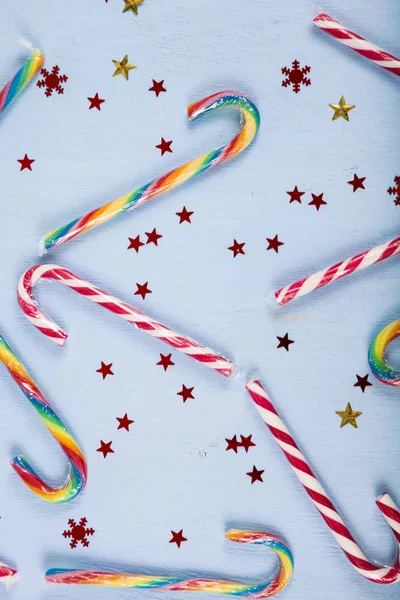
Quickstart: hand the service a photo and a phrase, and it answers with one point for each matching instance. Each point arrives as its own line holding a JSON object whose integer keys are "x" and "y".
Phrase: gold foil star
{"x": 132, "y": 5}
{"x": 123, "y": 67}
{"x": 348, "y": 416}
{"x": 342, "y": 109}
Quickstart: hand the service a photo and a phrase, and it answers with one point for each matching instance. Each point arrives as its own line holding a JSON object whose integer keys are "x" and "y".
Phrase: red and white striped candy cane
{"x": 47, "y": 326}
{"x": 358, "y": 43}
{"x": 320, "y": 498}
{"x": 341, "y": 269}
{"x": 8, "y": 575}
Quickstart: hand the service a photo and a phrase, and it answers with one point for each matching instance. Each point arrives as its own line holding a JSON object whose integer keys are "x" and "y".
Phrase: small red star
{"x": 233, "y": 444}
{"x": 177, "y": 538}
{"x": 135, "y": 243}
{"x": 153, "y": 237}
{"x": 255, "y": 474}
{"x": 274, "y": 243}
{"x": 246, "y": 442}
{"x": 357, "y": 183}
{"x": 237, "y": 248}
{"x": 184, "y": 215}
{"x": 26, "y": 162}
{"x": 165, "y": 361}
{"x": 142, "y": 290}
{"x": 317, "y": 201}
{"x": 105, "y": 448}
{"x": 95, "y": 102}
{"x": 284, "y": 342}
{"x": 158, "y": 87}
{"x": 105, "y": 370}
{"x": 362, "y": 382}
{"x": 295, "y": 195}
{"x": 124, "y": 422}
{"x": 186, "y": 393}
{"x": 164, "y": 146}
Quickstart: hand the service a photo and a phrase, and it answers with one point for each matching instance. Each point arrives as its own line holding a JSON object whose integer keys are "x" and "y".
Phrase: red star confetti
{"x": 142, "y": 290}
{"x": 255, "y": 474}
{"x": 184, "y": 215}
{"x": 362, "y": 382}
{"x": 51, "y": 81}
{"x": 186, "y": 393}
{"x": 284, "y": 342}
{"x": 274, "y": 243}
{"x": 105, "y": 370}
{"x": 26, "y": 162}
{"x": 237, "y": 248}
{"x": 124, "y": 422}
{"x": 78, "y": 532}
{"x": 158, "y": 87}
{"x": 164, "y": 146}
{"x": 177, "y": 538}
{"x": 135, "y": 243}
{"x": 295, "y": 76}
{"x": 357, "y": 183}
{"x": 232, "y": 444}
{"x": 245, "y": 442}
{"x": 395, "y": 191}
{"x": 153, "y": 237}
{"x": 105, "y": 448}
{"x": 95, "y": 102}
{"x": 295, "y": 195}
{"x": 317, "y": 201}
{"x": 165, "y": 361}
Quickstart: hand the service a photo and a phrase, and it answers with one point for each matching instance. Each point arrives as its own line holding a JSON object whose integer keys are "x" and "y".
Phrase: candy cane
{"x": 358, "y": 43}
{"x": 376, "y": 356}
{"x": 8, "y": 575}
{"x": 341, "y": 269}
{"x": 76, "y": 479}
{"x": 130, "y": 314}
{"x": 250, "y": 120}
{"x": 179, "y": 584}
{"x": 20, "y": 79}
{"x": 320, "y": 498}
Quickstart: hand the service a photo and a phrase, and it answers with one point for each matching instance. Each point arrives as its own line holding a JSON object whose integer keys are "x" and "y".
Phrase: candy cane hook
{"x": 180, "y": 584}
{"x": 76, "y": 479}
{"x": 8, "y": 575}
{"x": 250, "y": 121}
{"x": 320, "y": 498}
{"x": 47, "y": 326}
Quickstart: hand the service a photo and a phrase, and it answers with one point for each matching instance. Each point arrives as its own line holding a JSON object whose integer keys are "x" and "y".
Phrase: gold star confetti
{"x": 132, "y": 5}
{"x": 348, "y": 416}
{"x": 123, "y": 67}
{"x": 342, "y": 109}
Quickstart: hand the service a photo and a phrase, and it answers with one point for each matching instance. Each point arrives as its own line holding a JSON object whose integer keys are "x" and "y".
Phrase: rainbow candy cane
{"x": 376, "y": 355}
{"x": 15, "y": 86}
{"x": 8, "y": 575}
{"x": 76, "y": 479}
{"x": 179, "y": 584}
{"x": 250, "y": 120}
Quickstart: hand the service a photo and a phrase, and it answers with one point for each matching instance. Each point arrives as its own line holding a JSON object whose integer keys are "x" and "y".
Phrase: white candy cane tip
{"x": 42, "y": 248}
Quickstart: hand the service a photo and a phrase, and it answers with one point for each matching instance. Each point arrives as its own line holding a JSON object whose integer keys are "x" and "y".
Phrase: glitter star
{"x": 317, "y": 201}
{"x": 123, "y": 67}
{"x": 295, "y": 195}
{"x": 164, "y": 146}
{"x": 135, "y": 243}
{"x": 246, "y": 442}
{"x": 237, "y": 248}
{"x": 132, "y": 5}
{"x": 158, "y": 87}
{"x": 184, "y": 215}
{"x": 348, "y": 416}
{"x": 284, "y": 342}
{"x": 233, "y": 444}
{"x": 186, "y": 393}
{"x": 362, "y": 382}
{"x": 165, "y": 361}
{"x": 342, "y": 109}
{"x": 142, "y": 290}
{"x": 26, "y": 162}
{"x": 105, "y": 370}
{"x": 153, "y": 237}
{"x": 105, "y": 448}
{"x": 274, "y": 243}
{"x": 357, "y": 183}
{"x": 255, "y": 475}
{"x": 124, "y": 422}
{"x": 95, "y": 102}
{"x": 177, "y": 538}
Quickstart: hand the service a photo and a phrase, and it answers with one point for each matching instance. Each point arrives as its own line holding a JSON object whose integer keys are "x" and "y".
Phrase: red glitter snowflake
{"x": 51, "y": 81}
{"x": 78, "y": 533}
{"x": 296, "y": 76}
{"x": 395, "y": 191}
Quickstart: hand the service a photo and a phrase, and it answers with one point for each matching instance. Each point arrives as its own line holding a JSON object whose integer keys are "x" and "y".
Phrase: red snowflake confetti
{"x": 296, "y": 76}
{"x": 395, "y": 191}
{"x": 51, "y": 81}
{"x": 78, "y": 532}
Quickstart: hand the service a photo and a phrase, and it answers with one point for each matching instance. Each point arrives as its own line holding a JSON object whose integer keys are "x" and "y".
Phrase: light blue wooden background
{"x": 171, "y": 471}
